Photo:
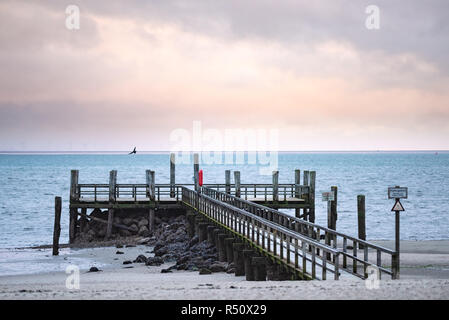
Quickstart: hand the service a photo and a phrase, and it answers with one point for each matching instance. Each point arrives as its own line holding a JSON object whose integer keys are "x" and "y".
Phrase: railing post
{"x": 112, "y": 199}
{"x": 361, "y": 218}
{"x": 196, "y": 169}
{"x": 237, "y": 183}
{"x": 228, "y": 181}
{"x": 172, "y": 175}
{"x": 275, "y": 186}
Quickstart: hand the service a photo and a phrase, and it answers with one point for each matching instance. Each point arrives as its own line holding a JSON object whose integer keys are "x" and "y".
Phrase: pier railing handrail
{"x": 203, "y": 203}
{"x": 102, "y": 189}
{"x": 288, "y": 221}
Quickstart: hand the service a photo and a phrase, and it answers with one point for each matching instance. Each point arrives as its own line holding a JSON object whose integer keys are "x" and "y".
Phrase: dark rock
{"x": 166, "y": 271}
{"x": 205, "y": 271}
{"x": 142, "y": 222}
{"x": 127, "y": 222}
{"x": 154, "y": 261}
{"x": 94, "y": 269}
{"x": 127, "y": 262}
{"x": 140, "y": 259}
{"x": 218, "y": 267}
{"x": 130, "y": 246}
{"x": 118, "y": 246}
{"x": 193, "y": 241}
{"x": 119, "y": 252}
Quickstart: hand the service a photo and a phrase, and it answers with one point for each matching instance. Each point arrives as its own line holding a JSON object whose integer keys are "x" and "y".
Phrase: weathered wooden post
{"x": 196, "y": 169}
{"x": 332, "y": 217}
{"x": 239, "y": 261}
{"x": 260, "y": 268}
{"x": 151, "y": 185}
{"x": 57, "y": 227}
{"x": 229, "y": 249}
{"x": 275, "y": 186}
{"x": 312, "y": 196}
{"x": 83, "y": 220}
{"x": 190, "y": 217}
{"x": 305, "y": 181}
{"x": 297, "y": 191}
{"x": 112, "y": 200}
{"x": 221, "y": 247}
{"x": 249, "y": 272}
{"x": 74, "y": 197}
{"x": 210, "y": 234}
{"x": 361, "y": 218}
{"x": 172, "y": 175}
{"x": 202, "y": 231}
{"x": 228, "y": 181}
{"x": 237, "y": 183}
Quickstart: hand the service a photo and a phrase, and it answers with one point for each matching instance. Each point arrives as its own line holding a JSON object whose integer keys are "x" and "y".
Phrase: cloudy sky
{"x": 137, "y": 71}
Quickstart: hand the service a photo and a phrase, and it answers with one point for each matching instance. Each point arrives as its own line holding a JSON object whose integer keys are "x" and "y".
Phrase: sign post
{"x": 397, "y": 193}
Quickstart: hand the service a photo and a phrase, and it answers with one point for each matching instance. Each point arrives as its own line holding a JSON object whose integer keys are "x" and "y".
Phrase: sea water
{"x": 29, "y": 183}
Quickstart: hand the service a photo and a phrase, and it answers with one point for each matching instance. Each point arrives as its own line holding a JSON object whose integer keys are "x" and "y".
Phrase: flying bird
{"x": 134, "y": 151}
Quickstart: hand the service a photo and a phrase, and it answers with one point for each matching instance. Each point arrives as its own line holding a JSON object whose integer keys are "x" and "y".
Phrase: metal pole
{"x": 397, "y": 244}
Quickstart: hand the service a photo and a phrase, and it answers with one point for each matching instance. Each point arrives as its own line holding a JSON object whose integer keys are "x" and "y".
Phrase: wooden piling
{"x": 74, "y": 197}
{"x": 333, "y": 209}
{"x": 83, "y": 219}
{"x": 221, "y": 247}
{"x": 275, "y": 186}
{"x": 228, "y": 181}
{"x": 305, "y": 182}
{"x": 112, "y": 198}
{"x": 361, "y": 218}
{"x": 151, "y": 193}
{"x": 210, "y": 234}
{"x": 259, "y": 268}
{"x": 239, "y": 262}
{"x": 172, "y": 175}
{"x": 237, "y": 183}
{"x": 297, "y": 193}
{"x": 190, "y": 216}
{"x": 202, "y": 231}
{"x": 196, "y": 169}
{"x": 57, "y": 226}
{"x": 151, "y": 185}
{"x": 249, "y": 272}
{"x": 229, "y": 249}
{"x": 312, "y": 196}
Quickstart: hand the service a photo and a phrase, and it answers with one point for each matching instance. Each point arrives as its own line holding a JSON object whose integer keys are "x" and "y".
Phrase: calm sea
{"x": 29, "y": 183}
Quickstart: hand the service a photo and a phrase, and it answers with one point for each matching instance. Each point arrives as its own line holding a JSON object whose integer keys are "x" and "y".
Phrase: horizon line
{"x": 223, "y": 151}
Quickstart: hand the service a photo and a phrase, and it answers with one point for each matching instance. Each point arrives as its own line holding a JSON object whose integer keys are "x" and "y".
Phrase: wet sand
{"x": 424, "y": 275}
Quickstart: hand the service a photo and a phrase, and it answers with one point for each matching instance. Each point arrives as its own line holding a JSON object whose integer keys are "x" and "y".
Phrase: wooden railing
{"x": 264, "y": 191}
{"x": 101, "y": 192}
{"x": 290, "y": 247}
{"x": 347, "y": 245}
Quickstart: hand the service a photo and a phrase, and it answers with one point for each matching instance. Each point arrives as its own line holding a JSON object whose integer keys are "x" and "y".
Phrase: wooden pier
{"x": 247, "y": 213}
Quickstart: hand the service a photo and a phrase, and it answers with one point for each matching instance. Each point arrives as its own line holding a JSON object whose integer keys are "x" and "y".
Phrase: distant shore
{"x": 424, "y": 275}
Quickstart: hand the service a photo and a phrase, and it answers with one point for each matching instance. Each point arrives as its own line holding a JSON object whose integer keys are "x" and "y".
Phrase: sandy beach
{"x": 424, "y": 275}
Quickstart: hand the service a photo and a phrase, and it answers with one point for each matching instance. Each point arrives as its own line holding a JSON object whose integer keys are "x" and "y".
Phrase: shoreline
{"x": 424, "y": 275}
